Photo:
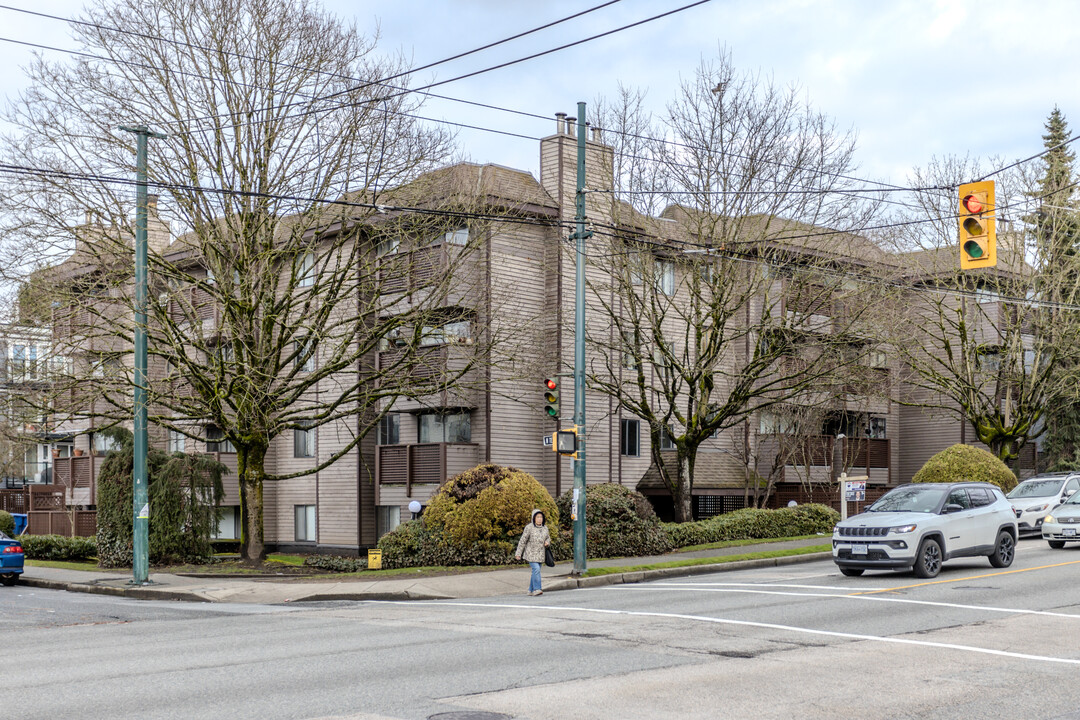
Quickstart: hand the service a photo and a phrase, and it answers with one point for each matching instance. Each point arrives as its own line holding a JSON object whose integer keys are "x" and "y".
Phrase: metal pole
{"x": 140, "y": 564}
{"x": 579, "y": 352}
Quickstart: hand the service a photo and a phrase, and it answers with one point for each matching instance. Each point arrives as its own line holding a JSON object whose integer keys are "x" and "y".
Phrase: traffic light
{"x": 978, "y": 238}
{"x": 564, "y": 442}
{"x": 551, "y": 397}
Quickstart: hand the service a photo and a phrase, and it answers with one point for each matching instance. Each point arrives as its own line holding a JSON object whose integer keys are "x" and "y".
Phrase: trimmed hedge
{"x": 966, "y": 463}
{"x": 620, "y": 522}
{"x": 475, "y": 518}
{"x": 7, "y": 523}
{"x": 58, "y": 547}
{"x": 336, "y": 563}
{"x": 754, "y": 524}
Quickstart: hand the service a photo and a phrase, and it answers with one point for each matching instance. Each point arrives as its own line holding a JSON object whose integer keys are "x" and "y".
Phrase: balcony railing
{"x": 78, "y": 472}
{"x": 402, "y": 271}
{"x": 423, "y": 463}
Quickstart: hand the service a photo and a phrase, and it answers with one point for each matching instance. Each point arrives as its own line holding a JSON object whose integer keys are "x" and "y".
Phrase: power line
{"x": 1033, "y": 157}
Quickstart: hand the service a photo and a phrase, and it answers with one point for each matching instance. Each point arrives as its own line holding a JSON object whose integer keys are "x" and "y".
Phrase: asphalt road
{"x": 792, "y": 642}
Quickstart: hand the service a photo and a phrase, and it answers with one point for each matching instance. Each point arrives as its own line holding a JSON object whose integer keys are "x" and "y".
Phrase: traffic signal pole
{"x": 140, "y": 564}
{"x": 578, "y": 508}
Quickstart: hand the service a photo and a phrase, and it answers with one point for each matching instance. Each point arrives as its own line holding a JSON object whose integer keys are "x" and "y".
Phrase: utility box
{"x": 374, "y": 559}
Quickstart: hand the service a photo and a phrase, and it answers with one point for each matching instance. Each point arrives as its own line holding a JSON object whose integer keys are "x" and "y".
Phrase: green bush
{"x": 965, "y": 463}
{"x": 411, "y": 544}
{"x": 184, "y": 492}
{"x": 336, "y": 563}
{"x": 619, "y": 522}
{"x": 58, "y": 547}
{"x": 487, "y": 503}
{"x": 754, "y": 524}
{"x": 7, "y": 523}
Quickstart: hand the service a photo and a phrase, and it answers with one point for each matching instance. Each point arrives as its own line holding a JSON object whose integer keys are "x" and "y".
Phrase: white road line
{"x": 744, "y": 623}
{"x": 848, "y": 588}
{"x": 874, "y": 598}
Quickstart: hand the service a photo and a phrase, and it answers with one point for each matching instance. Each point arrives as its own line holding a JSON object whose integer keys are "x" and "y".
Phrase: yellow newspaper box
{"x": 374, "y": 559}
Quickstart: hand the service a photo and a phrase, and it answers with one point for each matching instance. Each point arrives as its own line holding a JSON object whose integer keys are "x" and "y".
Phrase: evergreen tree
{"x": 1056, "y": 227}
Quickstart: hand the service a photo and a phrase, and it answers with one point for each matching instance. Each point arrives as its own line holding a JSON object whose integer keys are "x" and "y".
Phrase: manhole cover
{"x": 470, "y": 715}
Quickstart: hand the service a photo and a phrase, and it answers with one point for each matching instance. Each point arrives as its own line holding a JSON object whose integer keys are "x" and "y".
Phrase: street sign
{"x": 547, "y": 441}
{"x": 374, "y": 559}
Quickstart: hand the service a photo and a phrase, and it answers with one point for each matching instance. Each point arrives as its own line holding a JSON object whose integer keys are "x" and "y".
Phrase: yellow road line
{"x": 970, "y": 577}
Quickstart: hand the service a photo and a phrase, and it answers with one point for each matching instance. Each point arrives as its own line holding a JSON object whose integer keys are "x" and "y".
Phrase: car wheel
{"x": 1056, "y": 544}
{"x": 9, "y": 579}
{"x": 928, "y": 560}
{"x": 851, "y": 572}
{"x": 1004, "y": 551}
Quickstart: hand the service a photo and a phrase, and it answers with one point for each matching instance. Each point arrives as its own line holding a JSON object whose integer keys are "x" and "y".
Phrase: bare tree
{"x": 996, "y": 347}
{"x": 269, "y": 307}
{"x": 752, "y": 297}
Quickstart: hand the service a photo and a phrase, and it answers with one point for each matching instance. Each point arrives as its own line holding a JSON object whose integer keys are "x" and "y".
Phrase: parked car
{"x": 1062, "y": 523}
{"x": 11, "y": 560}
{"x": 921, "y": 525}
{"x": 1036, "y": 496}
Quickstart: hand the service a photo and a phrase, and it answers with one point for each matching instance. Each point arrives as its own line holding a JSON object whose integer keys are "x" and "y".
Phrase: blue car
{"x": 11, "y": 560}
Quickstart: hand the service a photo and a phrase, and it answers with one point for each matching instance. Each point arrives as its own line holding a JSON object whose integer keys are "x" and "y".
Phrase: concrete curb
{"x": 638, "y": 576}
{"x": 554, "y": 585}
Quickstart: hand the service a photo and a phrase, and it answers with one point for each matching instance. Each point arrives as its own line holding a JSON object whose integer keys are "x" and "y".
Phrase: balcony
{"x": 423, "y": 463}
{"x": 429, "y": 269}
{"x": 79, "y": 475}
{"x": 858, "y": 454}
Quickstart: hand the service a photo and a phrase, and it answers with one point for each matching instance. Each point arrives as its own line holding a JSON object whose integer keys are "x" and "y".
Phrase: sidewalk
{"x": 476, "y": 584}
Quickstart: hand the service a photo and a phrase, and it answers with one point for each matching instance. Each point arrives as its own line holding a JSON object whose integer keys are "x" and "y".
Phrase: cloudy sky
{"x": 913, "y": 79}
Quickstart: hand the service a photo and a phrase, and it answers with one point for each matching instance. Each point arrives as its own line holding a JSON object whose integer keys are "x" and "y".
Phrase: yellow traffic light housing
{"x": 565, "y": 442}
{"x": 551, "y": 397}
{"x": 978, "y": 237}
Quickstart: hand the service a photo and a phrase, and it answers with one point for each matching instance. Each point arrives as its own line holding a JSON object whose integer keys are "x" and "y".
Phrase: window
{"x": 458, "y": 332}
{"x": 665, "y": 277}
{"x": 989, "y": 361}
{"x": 175, "y": 441}
{"x": 444, "y": 427}
{"x": 630, "y": 437}
{"x": 304, "y": 442}
{"x": 102, "y": 444}
{"x": 666, "y": 441}
{"x": 455, "y": 237}
{"x": 387, "y": 517}
{"x": 306, "y": 270}
{"x": 305, "y": 354}
{"x": 18, "y": 362}
{"x": 387, "y": 245}
{"x": 875, "y": 430}
{"x": 771, "y": 423}
{"x": 304, "y": 522}
{"x": 984, "y": 295}
{"x": 878, "y": 359}
{"x": 980, "y": 497}
{"x": 228, "y": 523}
{"x": 959, "y": 497}
{"x": 216, "y": 442}
{"x": 1072, "y": 486}
{"x": 390, "y": 430}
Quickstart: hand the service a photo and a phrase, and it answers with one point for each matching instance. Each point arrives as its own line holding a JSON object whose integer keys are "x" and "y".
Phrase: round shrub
{"x": 488, "y": 503}
{"x": 966, "y": 463}
{"x": 7, "y": 523}
{"x": 619, "y": 522}
{"x": 58, "y": 547}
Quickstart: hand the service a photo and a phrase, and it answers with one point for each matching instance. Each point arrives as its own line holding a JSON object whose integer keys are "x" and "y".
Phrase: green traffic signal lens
{"x": 973, "y": 249}
{"x": 552, "y": 411}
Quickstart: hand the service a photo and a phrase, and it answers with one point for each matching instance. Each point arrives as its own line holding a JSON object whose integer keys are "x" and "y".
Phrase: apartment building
{"x": 513, "y": 294}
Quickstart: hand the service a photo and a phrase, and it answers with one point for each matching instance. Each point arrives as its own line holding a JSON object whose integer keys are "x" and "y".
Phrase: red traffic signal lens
{"x": 551, "y": 384}
{"x": 973, "y": 204}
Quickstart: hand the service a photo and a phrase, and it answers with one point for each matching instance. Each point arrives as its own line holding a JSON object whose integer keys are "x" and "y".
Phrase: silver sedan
{"x": 1062, "y": 525}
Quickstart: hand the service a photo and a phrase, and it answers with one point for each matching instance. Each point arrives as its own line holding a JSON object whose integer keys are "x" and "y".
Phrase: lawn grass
{"x": 286, "y": 559}
{"x": 740, "y": 543}
{"x": 63, "y": 564}
{"x": 690, "y": 562}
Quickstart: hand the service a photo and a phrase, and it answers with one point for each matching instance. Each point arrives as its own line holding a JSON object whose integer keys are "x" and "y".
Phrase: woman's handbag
{"x": 549, "y": 557}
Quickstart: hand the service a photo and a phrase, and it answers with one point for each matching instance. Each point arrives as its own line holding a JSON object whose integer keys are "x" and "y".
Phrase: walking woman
{"x": 531, "y": 547}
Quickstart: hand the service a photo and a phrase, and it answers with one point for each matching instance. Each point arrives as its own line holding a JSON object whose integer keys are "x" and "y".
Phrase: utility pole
{"x": 140, "y": 564}
{"x": 579, "y": 353}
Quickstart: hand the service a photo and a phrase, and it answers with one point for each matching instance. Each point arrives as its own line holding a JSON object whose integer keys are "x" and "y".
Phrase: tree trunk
{"x": 251, "y": 471}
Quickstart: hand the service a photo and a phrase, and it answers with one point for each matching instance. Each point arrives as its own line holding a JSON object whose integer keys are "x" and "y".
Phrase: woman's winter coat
{"x": 531, "y": 545}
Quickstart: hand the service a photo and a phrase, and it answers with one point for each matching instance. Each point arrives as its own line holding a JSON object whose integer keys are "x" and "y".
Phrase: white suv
{"x": 1034, "y": 498}
{"x": 921, "y": 525}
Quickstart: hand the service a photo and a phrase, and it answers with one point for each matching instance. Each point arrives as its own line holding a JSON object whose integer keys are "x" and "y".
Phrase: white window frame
{"x": 305, "y": 523}
{"x": 175, "y": 441}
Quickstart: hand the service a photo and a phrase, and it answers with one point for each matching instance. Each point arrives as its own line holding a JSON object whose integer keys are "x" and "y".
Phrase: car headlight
{"x": 1038, "y": 508}
{"x": 1049, "y": 518}
{"x": 904, "y": 528}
